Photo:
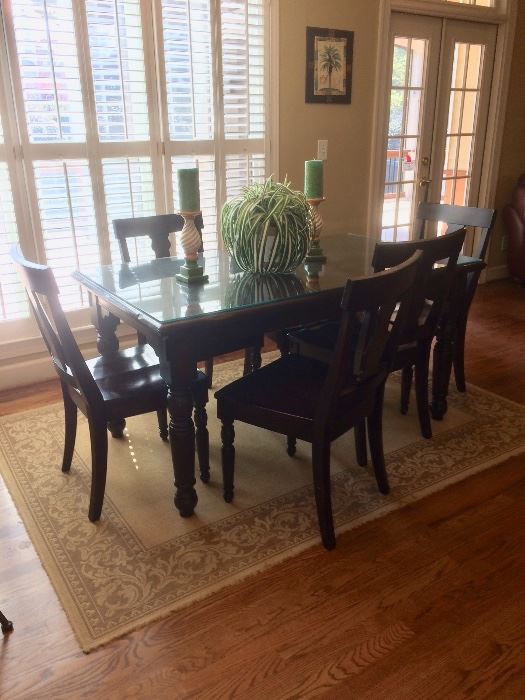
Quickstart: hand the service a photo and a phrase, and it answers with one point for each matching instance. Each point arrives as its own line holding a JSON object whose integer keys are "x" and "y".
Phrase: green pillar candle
{"x": 189, "y": 194}
{"x": 313, "y": 179}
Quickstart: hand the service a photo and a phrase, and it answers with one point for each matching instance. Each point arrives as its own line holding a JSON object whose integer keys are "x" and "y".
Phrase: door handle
{"x": 424, "y": 182}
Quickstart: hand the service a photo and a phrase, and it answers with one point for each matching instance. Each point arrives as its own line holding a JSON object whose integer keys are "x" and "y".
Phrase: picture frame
{"x": 329, "y": 55}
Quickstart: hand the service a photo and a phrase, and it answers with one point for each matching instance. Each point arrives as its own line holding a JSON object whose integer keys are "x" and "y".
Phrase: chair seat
{"x": 130, "y": 381}
{"x": 284, "y": 396}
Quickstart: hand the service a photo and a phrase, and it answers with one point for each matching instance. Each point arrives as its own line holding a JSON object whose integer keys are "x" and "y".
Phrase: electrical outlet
{"x": 322, "y": 149}
{"x": 504, "y": 242}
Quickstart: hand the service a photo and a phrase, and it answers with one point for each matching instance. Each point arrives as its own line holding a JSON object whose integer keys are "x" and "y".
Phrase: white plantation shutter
{"x": 49, "y": 75}
{"x": 106, "y": 99}
{"x": 243, "y": 68}
{"x": 186, "y": 26}
{"x": 241, "y": 169}
{"x": 117, "y": 65}
{"x": 67, "y": 215}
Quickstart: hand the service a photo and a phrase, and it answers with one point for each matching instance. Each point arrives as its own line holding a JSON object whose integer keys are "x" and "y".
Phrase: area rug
{"x": 142, "y": 561}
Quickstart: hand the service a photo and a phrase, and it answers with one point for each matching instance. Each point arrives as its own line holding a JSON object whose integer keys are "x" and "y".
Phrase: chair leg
{"x": 99, "y": 463}
{"x": 252, "y": 359}
{"x": 322, "y": 489}
{"x": 406, "y": 385}
{"x": 116, "y": 427}
{"x": 7, "y": 625}
{"x": 291, "y": 445}
{"x": 208, "y": 369}
{"x": 360, "y": 443}
{"x": 162, "y": 419}
{"x": 202, "y": 438}
{"x": 70, "y": 414}
{"x": 423, "y": 408}
{"x": 459, "y": 356}
{"x": 228, "y": 458}
{"x": 375, "y": 440}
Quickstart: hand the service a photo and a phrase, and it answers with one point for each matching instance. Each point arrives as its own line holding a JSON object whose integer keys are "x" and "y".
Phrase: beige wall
{"x": 348, "y": 128}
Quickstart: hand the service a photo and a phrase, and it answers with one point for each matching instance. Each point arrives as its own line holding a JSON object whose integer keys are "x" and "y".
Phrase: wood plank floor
{"x": 428, "y": 602}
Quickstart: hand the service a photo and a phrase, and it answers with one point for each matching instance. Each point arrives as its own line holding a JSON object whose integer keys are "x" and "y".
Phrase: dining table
{"x": 188, "y": 323}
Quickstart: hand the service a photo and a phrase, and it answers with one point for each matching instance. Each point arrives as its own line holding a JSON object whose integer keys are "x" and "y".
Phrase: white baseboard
{"x": 36, "y": 365}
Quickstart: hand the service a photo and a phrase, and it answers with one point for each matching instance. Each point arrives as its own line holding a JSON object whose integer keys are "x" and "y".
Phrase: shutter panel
{"x": 242, "y": 170}
{"x": 188, "y": 65}
{"x": 117, "y": 62}
{"x": 48, "y": 61}
{"x": 67, "y": 215}
{"x": 242, "y": 24}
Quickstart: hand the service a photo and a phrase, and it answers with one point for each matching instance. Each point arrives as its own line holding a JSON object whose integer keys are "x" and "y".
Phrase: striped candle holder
{"x": 191, "y": 272}
{"x": 315, "y": 252}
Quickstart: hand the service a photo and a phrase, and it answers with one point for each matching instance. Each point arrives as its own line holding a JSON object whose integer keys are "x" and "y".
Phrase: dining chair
{"x": 301, "y": 397}
{"x": 107, "y": 389}
{"x": 158, "y": 228}
{"x": 7, "y": 625}
{"x": 472, "y": 218}
{"x": 430, "y": 294}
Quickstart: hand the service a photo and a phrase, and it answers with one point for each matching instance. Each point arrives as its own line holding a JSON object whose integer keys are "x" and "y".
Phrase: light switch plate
{"x": 322, "y": 149}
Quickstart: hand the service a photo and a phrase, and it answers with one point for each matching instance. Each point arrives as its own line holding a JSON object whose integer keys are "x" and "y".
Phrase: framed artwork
{"x": 329, "y": 65}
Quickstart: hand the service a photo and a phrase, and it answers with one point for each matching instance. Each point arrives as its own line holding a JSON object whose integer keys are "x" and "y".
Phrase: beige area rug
{"x": 142, "y": 560}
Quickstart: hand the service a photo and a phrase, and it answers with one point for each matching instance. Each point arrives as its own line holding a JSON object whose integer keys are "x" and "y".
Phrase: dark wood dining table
{"x": 186, "y": 324}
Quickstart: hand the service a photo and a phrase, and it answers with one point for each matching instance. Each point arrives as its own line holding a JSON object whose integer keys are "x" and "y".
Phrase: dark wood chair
{"x": 106, "y": 389}
{"x": 473, "y": 218}
{"x": 7, "y": 625}
{"x": 304, "y": 398}
{"x": 158, "y": 228}
{"x": 430, "y": 294}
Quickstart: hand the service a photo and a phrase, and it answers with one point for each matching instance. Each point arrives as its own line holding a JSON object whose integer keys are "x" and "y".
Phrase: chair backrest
{"x": 456, "y": 216}
{"x": 158, "y": 228}
{"x": 368, "y": 338}
{"x": 432, "y": 286}
{"x": 42, "y": 291}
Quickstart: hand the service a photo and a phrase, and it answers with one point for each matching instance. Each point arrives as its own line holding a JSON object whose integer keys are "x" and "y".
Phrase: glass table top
{"x": 153, "y": 290}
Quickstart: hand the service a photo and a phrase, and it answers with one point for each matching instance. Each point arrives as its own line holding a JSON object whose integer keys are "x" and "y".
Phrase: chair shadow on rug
{"x": 307, "y": 399}
{"x": 106, "y": 389}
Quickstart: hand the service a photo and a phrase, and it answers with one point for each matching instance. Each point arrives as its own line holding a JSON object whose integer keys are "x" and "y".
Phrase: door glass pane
{"x": 406, "y": 100}
{"x": 462, "y": 123}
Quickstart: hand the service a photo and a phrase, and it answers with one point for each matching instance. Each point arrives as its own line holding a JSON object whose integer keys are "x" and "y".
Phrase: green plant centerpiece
{"x": 266, "y": 228}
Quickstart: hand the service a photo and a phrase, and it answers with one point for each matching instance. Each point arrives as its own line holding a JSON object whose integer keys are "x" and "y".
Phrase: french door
{"x": 440, "y": 88}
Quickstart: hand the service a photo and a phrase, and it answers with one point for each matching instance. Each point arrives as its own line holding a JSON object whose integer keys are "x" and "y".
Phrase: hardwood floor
{"x": 428, "y": 602}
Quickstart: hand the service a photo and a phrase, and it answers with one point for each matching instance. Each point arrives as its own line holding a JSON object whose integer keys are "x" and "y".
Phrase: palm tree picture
{"x": 330, "y": 61}
{"x": 329, "y": 54}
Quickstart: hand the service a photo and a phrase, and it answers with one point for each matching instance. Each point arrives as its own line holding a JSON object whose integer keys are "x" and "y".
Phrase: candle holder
{"x": 191, "y": 272}
{"x": 315, "y": 252}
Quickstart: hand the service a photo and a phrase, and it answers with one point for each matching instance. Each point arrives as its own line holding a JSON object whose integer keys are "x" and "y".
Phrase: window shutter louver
{"x": 117, "y": 64}
{"x": 67, "y": 215}
{"x": 48, "y": 62}
{"x": 188, "y": 66}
